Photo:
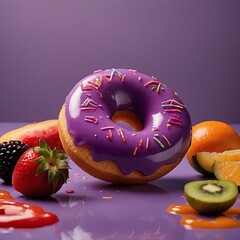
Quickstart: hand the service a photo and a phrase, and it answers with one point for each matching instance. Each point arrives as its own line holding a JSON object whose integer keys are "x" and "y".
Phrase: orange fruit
{"x": 206, "y": 159}
{"x": 211, "y": 136}
{"x": 227, "y": 170}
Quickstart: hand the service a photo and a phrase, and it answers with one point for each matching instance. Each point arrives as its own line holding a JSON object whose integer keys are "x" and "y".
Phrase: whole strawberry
{"x": 40, "y": 171}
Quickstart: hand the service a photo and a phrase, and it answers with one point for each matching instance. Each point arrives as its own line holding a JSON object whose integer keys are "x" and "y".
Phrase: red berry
{"x": 40, "y": 171}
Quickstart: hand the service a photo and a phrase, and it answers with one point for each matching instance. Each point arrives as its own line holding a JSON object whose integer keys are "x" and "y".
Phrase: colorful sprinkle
{"x": 99, "y": 93}
{"x": 107, "y": 77}
{"x": 117, "y": 72}
{"x": 175, "y": 121}
{"x": 123, "y": 78}
{"x": 107, "y": 128}
{"x": 111, "y": 76}
{"x": 158, "y": 88}
{"x": 93, "y": 84}
{"x": 158, "y": 141}
{"x": 147, "y": 143}
{"x": 85, "y": 103}
{"x": 135, "y": 151}
{"x": 86, "y": 88}
{"x": 98, "y": 71}
{"x": 91, "y": 119}
{"x": 94, "y": 104}
{"x": 172, "y": 110}
{"x": 90, "y": 102}
{"x": 88, "y": 109}
{"x": 172, "y": 103}
{"x": 110, "y": 135}
{"x": 166, "y": 139}
{"x": 150, "y": 83}
{"x": 121, "y": 134}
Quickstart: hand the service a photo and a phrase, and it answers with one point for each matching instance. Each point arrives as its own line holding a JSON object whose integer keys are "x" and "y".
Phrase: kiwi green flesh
{"x": 211, "y": 196}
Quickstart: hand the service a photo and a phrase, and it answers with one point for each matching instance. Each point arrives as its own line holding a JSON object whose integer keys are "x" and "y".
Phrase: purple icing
{"x": 165, "y": 136}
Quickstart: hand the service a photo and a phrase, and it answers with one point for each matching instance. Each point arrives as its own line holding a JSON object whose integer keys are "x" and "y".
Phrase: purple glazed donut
{"x": 113, "y": 150}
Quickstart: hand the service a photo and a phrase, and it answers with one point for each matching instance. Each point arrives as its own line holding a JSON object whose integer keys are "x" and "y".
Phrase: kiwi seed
{"x": 211, "y": 188}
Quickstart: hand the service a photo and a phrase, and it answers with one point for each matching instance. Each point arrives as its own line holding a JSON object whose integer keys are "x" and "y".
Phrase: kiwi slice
{"x": 211, "y": 196}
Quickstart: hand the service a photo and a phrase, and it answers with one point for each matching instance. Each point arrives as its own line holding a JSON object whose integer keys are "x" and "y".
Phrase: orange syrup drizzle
{"x": 192, "y": 219}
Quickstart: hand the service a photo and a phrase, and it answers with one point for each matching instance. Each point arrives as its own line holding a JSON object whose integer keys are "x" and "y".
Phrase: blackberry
{"x": 10, "y": 152}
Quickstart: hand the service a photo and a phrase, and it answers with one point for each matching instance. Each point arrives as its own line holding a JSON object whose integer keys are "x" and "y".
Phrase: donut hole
{"x": 128, "y": 119}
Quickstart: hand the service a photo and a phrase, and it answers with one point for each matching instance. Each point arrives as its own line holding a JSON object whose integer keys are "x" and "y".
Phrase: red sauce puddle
{"x": 191, "y": 219}
{"x": 21, "y": 215}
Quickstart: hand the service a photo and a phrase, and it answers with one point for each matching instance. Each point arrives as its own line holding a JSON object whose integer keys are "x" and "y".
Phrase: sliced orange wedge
{"x": 206, "y": 159}
{"x": 227, "y": 170}
{"x": 211, "y": 136}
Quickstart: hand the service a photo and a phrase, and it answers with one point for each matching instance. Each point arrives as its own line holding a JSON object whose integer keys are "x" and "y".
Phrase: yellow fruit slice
{"x": 227, "y": 170}
{"x": 206, "y": 159}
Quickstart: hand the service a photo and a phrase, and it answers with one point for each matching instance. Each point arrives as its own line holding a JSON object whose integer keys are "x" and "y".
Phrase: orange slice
{"x": 206, "y": 159}
{"x": 227, "y": 170}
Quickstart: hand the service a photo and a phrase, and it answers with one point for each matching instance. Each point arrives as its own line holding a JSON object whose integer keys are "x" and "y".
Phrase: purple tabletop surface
{"x": 99, "y": 210}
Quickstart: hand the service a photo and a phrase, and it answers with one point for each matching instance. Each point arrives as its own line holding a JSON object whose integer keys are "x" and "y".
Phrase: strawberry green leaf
{"x": 40, "y": 159}
{"x": 42, "y": 151}
{"x": 55, "y": 153}
{"x": 53, "y": 162}
{"x": 44, "y": 145}
{"x": 62, "y": 156}
{"x": 42, "y": 168}
{"x": 56, "y": 179}
{"x": 50, "y": 176}
{"x": 63, "y": 165}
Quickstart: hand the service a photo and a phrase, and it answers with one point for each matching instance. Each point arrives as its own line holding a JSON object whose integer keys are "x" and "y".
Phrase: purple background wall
{"x": 46, "y": 46}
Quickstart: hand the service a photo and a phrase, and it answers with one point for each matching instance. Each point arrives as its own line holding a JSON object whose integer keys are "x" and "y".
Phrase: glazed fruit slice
{"x": 211, "y": 196}
{"x": 32, "y": 133}
{"x": 206, "y": 159}
{"x": 227, "y": 170}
